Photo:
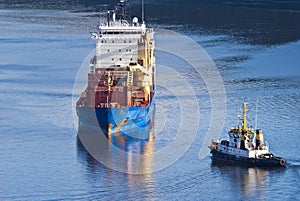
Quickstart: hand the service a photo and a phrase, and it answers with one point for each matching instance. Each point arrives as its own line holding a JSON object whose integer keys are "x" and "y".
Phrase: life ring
{"x": 282, "y": 162}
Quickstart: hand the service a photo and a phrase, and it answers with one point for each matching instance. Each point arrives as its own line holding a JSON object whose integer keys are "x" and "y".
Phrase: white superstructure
{"x": 119, "y": 42}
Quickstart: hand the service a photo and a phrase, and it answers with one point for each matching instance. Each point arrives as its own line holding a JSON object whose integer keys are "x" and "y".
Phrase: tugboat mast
{"x": 244, "y": 119}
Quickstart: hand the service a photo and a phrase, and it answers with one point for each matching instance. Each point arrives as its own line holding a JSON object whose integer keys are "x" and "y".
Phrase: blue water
{"x": 41, "y": 52}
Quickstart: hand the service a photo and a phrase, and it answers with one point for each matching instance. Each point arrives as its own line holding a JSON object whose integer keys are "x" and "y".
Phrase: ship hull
{"x": 112, "y": 120}
{"x": 224, "y": 158}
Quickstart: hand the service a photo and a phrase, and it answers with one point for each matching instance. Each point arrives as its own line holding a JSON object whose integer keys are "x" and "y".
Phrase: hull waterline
{"x": 223, "y": 158}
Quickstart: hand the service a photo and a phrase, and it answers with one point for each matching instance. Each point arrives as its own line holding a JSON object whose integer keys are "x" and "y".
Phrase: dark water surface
{"x": 41, "y": 52}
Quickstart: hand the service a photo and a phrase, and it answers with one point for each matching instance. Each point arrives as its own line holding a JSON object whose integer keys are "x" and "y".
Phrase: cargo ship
{"x": 245, "y": 147}
{"x": 121, "y": 81}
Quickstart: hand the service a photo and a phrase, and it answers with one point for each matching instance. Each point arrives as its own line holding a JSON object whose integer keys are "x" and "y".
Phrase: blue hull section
{"x": 111, "y": 120}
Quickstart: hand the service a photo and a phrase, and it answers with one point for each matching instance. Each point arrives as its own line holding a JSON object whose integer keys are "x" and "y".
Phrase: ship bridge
{"x": 123, "y": 41}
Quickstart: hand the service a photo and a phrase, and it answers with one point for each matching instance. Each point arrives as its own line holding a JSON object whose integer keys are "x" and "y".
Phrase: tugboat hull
{"x": 224, "y": 158}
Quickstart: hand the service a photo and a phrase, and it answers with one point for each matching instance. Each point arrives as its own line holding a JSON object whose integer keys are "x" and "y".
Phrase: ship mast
{"x": 122, "y": 10}
{"x": 244, "y": 119}
{"x": 143, "y": 11}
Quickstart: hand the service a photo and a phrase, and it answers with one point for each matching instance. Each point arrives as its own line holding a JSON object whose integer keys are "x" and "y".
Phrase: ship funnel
{"x": 259, "y": 138}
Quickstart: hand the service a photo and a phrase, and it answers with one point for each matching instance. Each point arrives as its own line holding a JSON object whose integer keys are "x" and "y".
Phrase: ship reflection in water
{"x": 119, "y": 153}
{"x": 250, "y": 182}
{"x": 128, "y": 152}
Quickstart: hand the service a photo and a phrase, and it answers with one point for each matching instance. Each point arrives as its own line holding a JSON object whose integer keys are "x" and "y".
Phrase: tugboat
{"x": 121, "y": 79}
{"x": 244, "y": 147}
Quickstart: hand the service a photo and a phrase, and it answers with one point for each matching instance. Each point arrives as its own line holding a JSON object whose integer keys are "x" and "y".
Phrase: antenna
{"x": 256, "y": 105}
{"x": 143, "y": 11}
